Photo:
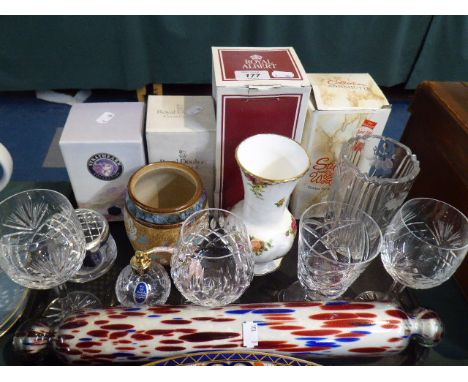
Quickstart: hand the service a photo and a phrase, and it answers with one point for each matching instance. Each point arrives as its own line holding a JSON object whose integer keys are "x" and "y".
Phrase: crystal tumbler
{"x": 336, "y": 243}
{"x": 375, "y": 174}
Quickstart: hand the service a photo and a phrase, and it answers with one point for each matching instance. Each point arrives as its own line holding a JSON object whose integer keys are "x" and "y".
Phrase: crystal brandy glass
{"x": 41, "y": 243}
{"x": 213, "y": 263}
{"x": 424, "y": 244}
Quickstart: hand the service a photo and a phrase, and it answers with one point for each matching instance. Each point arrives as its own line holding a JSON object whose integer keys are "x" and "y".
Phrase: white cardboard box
{"x": 341, "y": 107}
{"x": 257, "y": 90}
{"x": 102, "y": 146}
{"x": 183, "y": 129}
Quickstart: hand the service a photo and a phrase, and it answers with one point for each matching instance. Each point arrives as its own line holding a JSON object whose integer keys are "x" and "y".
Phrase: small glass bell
{"x": 143, "y": 282}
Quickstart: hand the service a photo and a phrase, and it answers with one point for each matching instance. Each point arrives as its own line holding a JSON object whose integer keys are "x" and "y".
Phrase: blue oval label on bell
{"x": 140, "y": 294}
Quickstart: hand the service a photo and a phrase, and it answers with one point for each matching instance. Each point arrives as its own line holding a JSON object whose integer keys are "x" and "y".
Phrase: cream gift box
{"x": 341, "y": 106}
{"x": 257, "y": 90}
{"x": 102, "y": 146}
{"x": 183, "y": 129}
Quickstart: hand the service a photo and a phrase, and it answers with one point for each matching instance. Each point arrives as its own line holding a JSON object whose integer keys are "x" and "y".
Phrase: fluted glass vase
{"x": 374, "y": 174}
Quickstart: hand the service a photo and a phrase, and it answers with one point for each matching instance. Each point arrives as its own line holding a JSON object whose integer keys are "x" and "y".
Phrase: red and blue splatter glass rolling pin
{"x": 301, "y": 329}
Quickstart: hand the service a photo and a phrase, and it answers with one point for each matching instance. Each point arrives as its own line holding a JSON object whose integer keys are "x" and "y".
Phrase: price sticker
{"x": 105, "y": 117}
{"x": 281, "y": 74}
{"x": 250, "y": 334}
{"x": 194, "y": 110}
{"x": 249, "y": 75}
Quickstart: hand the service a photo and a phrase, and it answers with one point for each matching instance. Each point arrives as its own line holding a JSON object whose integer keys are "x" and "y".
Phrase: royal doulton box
{"x": 257, "y": 90}
{"x": 341, "y": 106}
{"x": 183, "y": 129}
{"x": 102, "y": 146}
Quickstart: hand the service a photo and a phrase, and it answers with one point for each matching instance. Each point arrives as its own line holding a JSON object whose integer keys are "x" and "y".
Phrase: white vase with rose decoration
{"x": 271, "y": 165}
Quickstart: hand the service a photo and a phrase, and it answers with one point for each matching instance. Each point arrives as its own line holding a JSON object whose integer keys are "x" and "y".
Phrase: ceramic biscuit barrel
{"x": 160, "y": 197}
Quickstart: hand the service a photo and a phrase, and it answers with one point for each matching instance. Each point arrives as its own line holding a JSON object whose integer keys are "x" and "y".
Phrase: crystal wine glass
{"x": 337, "y": 242}
{"x": 424, "y": 244}
{"x": 42, "y": 244}
{"x": 213, "y": 263}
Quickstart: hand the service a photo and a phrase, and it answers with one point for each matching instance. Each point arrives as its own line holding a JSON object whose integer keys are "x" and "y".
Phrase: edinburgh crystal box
{"x": 102, "y": 145}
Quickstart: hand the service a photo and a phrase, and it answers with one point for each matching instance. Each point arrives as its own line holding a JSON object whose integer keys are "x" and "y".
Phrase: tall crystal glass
{"x": 375, "y": 174}
{"x": 41, "y": 241}
{"x": 424, "y": 244}
{"x": 336, "y": 243}
{"x": 213, "y": 263}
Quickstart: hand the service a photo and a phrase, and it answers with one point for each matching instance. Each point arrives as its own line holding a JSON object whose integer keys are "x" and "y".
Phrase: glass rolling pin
{"x": 301, "y": 329}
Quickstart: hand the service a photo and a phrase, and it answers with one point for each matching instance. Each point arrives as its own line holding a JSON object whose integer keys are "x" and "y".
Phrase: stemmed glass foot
{"x": 74, "y": 301}
{"x": 371, "y": 295}
{"x": 392, "y": 294}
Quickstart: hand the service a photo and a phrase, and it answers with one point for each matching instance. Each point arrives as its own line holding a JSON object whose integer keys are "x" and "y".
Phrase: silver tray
{"x": 13, "y": 300}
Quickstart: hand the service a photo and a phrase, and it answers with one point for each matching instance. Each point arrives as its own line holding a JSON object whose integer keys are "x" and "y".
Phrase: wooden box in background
{"x": 437, "y": 133}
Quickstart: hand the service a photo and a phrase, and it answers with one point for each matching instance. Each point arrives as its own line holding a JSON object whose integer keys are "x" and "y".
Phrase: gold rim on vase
{"x": 267, "y": 180}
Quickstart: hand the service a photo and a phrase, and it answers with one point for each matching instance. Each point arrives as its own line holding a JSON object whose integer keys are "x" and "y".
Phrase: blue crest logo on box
{"x": 140, "y": 294}
{"x": 105, "y": 166}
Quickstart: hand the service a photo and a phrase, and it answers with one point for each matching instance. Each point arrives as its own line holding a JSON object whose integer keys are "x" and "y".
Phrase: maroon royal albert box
{"x": 257, "y": 90}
